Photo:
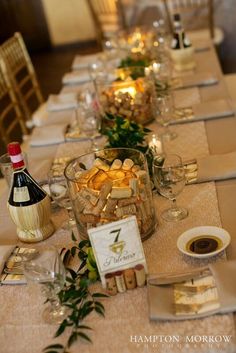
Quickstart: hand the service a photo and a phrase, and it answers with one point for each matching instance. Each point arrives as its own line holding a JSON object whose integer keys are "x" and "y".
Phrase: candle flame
{"x": 130, "y": 90}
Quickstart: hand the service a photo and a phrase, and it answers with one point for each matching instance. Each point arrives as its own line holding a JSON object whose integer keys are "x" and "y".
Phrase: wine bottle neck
{"x": 17, "y": 161}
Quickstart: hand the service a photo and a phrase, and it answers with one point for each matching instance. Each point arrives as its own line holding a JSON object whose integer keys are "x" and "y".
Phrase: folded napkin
{"x": 199, "y": 79}
{"x": 49, "y": 135}
{"x": 204, "y": 111}
{"x": 5, "y": 252}
{"x": 75, "y": 77}
{"x": 84, "y": 61}
{"x": 77, "y": 89}
{"x": 216, "y": 167}
{"x": 161, "y": 297}
{"x": 42, "y": 117}
{"x": 57, "y": 102}
{"x": 202, "y": 44}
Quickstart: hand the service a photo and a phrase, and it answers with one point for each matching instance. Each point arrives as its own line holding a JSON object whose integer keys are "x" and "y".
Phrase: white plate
{"x": 184, "y": 239}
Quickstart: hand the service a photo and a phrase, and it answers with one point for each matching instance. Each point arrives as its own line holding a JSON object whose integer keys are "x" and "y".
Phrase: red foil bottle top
{"x": 14, "y": 151}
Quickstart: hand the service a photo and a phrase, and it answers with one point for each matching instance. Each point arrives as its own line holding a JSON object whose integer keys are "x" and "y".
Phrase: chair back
{"x": 199, "y": 13}
{"x": 10, "y": 114}
{"x": 22, "y": 74}
{"x": 108, "y": 16}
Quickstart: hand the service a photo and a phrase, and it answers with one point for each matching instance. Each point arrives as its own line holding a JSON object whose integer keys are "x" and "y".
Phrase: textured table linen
{"x": 127, "y": 314}
{"x": 22, "y": 329}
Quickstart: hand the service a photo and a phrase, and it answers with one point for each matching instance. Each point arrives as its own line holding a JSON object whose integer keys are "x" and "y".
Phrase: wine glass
{"x": 164, "y": 111}
{"x": 89, "y": 123}
{"x": 169, "y": 179}
{"x": 60, "y": 194}
{"x": 47, "y": 269}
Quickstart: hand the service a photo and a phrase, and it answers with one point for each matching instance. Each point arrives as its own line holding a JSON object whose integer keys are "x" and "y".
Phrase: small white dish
{"x": 185, "y": 239}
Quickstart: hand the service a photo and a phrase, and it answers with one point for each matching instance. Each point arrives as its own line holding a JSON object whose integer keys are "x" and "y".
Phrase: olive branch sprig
{"x": 78, "y": 298}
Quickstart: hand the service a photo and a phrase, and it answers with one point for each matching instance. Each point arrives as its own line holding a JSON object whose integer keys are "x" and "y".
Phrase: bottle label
{"x": 21, "y": 194}
{"x": 187, "y": 42}
{"x": 174, "y": 43}
{"x": 17, "y": 158}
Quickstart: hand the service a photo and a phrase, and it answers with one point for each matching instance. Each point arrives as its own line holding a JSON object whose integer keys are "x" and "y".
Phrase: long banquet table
{"x": 126, "y": 323}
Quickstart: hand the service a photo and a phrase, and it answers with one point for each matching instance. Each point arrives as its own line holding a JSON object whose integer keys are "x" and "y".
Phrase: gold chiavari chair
{"x": 199, "y": 13}
{"x": 108, "y": 17}
{"x": 22, "y": 74}
{"x": 10, "y": 114}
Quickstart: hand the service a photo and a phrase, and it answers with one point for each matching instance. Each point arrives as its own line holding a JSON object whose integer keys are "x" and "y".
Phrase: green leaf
{"x": 73, "y": 237}
{"x": 72, "y": 338}
{"x": 85, "y": 312}
{"x": 84, "y": 243}
{"x": 82, "y": 265}
{"x": 100, "y": 305}
{"x": 84, "y": 327}
{"x": 86, "y": 337}
{"x": 73, "y": 251}
{"x": 84, "y": 282}
{"x": 100, "y": 295}
{"x": 99, "y": 311}
{"x": 60, "y": 330}
{"x": 72, "y": 273}
{"x": 53, "y": 346}
{"x": 70, "y": 280}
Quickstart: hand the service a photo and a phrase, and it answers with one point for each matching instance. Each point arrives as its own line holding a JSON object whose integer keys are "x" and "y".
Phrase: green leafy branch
{"x": 129, "y": 61}
{"x": 125, "y": 133}
{"x": 78, "y": 298}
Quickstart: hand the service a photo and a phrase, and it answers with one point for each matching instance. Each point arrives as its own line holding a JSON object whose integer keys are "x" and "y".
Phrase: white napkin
{"x": 84, "y": 61}
{"x": 42, "y": 117}
{"x": 57, "y": 102}
{"x": 75, "y": 77}
{"x": 216, "y": 167}
{"x": 212, "y": 110}
{"x": 5, "y": 252}
{"x": 49, "y": 135}
{"x": 78, "y": 89}
{"x": 206, "y": 110}
{"x": 199, "y": 79}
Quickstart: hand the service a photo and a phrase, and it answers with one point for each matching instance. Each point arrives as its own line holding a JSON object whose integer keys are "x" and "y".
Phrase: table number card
{"x": 117, "y": 246}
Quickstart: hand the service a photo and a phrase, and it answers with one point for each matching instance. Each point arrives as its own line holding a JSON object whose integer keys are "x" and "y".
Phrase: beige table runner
{"x": 127, "y": 314}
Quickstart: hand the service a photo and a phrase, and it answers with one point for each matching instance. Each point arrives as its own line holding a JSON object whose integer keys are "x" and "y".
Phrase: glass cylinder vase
{"x": 127, "y": 92}
{"x": 109, "y": 185}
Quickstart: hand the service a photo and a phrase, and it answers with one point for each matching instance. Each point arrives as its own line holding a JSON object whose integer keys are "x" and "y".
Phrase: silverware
{"x": 165, "y": 279}
{"x": 13, "y": 271}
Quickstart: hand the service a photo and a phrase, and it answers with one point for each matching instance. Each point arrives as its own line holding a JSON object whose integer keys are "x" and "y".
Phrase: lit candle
{"x": 131, "y": 90}
{"x": 156, "y": 145}
{"x": 156, "y": 67}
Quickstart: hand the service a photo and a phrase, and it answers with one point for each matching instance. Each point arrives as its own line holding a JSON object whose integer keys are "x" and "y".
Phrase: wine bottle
{"x": 180, "y": 40}
{"x": 28, "y": 203}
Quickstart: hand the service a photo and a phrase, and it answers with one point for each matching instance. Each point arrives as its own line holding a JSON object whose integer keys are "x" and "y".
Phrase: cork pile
{"x": 120, "y": 281}
{"x": 131, "y": 101}
{"x": 107, "y": 193}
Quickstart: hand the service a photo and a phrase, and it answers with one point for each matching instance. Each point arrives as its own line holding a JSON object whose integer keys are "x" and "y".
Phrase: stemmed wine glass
{"x": 169, "y": 179}
{"x": 89, "y": 120}
{"x": 164, "y": 111}
{"x": 47, "y": 269}
{"x": 60, "y": 194}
